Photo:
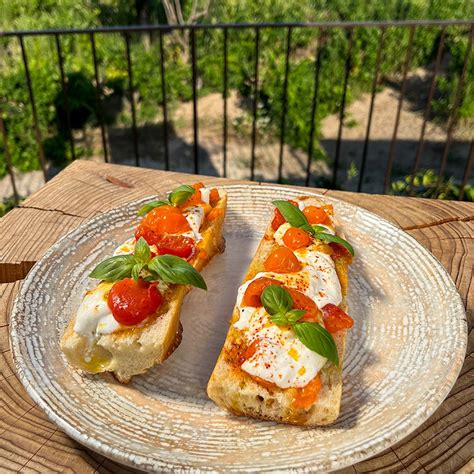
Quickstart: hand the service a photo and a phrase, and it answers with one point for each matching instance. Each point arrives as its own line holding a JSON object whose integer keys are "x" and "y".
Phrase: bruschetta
{"x": 129, "y": 321}
{"x": 282, "y": 357}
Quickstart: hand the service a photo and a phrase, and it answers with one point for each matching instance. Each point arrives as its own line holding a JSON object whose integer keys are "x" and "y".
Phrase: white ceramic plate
{"x": 403, "y": 354}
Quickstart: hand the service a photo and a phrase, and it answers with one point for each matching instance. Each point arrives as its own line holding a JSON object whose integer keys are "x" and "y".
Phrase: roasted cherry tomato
{"x": 339, "y": 251}
{"x": 163, "y": 220}
{"x": 295, "y": 238}
{"x": 255, "y": 289}
{"x": 151, "y": 237}
{"x": 213, "y": 197}
{"x": 131, "y": 302}
{"x": 195, "y": 199}
{"x": 278, "y": 218}
{"x": 178, "y": 245}
{"x": 307, "y": 395}
{"x": 335, "y": 319}
{"x": 282, "y": 260}
{"x": 315, "y": 215}
{"x": 301, "y": 301}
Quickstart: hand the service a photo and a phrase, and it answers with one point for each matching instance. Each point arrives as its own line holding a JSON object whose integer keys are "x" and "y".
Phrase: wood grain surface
{"x": 29, "y": 442}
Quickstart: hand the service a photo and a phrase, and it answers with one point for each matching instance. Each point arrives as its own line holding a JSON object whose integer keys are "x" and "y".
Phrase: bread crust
{"x": 134, "y": 350}
{"x": 234, "y": 390}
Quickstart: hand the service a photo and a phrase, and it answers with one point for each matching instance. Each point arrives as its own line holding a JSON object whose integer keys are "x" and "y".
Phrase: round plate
{"x": 403, "y": 354}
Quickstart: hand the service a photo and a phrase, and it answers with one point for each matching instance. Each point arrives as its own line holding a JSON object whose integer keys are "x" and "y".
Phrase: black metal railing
{"x": 320, "y": 28}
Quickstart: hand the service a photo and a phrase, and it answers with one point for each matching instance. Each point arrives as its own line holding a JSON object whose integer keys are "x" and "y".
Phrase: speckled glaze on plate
{"x": 403, "y": 354}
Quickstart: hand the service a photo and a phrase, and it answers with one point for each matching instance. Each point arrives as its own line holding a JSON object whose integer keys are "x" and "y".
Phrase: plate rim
{"x": 98, "y": 446}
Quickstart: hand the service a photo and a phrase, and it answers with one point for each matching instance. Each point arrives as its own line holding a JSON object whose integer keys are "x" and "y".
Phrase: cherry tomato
{"x": 178, "y": 245}
{"x": 195, "y": 199}
{"x": 282, "y": 260}
{"x": 301, "y": 301}
{"x": 131, "y": 302}
{"x": 339, "y": 251}
{"x": 255, "y": 289}
{"x": 151, "y": 237}
{"x": 335, "y": 319}
{"x": 315, "y": 215}
{"x": 278, "y": 218}
{"x": 163, "y": 220}
{"x": 213, "y": 197}
{"x": 307, "y": 395}
{"x": 295, "y": 238}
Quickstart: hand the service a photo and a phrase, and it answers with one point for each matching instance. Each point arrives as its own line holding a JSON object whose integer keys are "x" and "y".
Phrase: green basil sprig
{"x": 296, "y": 218}
{"x": 167, "y": 268}
{"x": 278, "y": 302}
{"x": 175, "y": 198}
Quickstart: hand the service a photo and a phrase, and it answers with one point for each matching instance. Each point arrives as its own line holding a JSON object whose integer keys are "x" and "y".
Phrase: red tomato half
{"x": 335, "y": 319}
{"x": 131, "y": 302}
{"x": 176, "y": 245}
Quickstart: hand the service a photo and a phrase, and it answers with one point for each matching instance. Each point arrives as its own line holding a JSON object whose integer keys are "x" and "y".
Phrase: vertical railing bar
{"x": 343, "y": 106}
{"x": 456, "y": 102}
{"x": 195, "y": 111}
{"x": 164, "y": 103}
{"x": 8, "y": 159}
{"x": 97, "y": 98}
{"x": 467, "y": 170}
{"x": 314, "y": 106}
{"x": 224, "y": 96}
{"x": 33, "y": 109}
{"x": 255, "y": 103}
{"x": 132, "y": 100}
{"x": 371, "y": 109}
{"x": 66, "y": 99}
{"x": 391, "y": 153}
{"x": 284, "y": 104}
{"x": 421, "y": 141}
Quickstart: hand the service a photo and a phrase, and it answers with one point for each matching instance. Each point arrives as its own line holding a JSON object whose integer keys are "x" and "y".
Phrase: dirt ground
{"x": 210, "y": 110}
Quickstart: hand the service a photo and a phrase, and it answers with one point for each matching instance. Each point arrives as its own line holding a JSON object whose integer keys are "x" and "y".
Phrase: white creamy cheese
{"x": 94, "y": 317}
{"x": 195, "y": 217}
{"x": 280, "y": 357}
{"x": 205, "y": 194}
{"x": 128, "y": 247}
{"x": 280, "y": 232}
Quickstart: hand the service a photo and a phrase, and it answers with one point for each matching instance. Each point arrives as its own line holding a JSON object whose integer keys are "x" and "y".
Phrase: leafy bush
{"x": 426, "y": 184}
{"x": 145, "y": 54}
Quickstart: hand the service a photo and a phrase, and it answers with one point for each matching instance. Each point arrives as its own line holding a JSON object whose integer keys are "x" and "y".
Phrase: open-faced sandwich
{"x": 130, "y": 320}
{"x": 282, "y": 358}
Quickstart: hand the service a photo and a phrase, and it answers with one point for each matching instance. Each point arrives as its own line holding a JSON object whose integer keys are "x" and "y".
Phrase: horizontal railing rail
{"x": 289, "y": 28}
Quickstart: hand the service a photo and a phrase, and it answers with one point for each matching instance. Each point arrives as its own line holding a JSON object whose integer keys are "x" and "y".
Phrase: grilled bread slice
{"x": 131, "y": 350}
{"x": 235, "y": 390}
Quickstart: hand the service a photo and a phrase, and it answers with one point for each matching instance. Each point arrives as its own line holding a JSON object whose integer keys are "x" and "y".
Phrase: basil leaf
{"x": 173, "y": 269}
{"x": 319, "y": 228}
{"x": 146, "y": 208}
{"x": 279, "y": 319}
{"x": 114, "y": 268}
{"x": 181, "y": 194}
{"x": 318, "y": 339}
{"x": 334, "y": 238}
{"x": 276, "y": 299}
{"x": 295, "y": 315}
{"x": 136, "y": 269}
{"x": 293, "y": 215}
{"x": 142, "y": 252}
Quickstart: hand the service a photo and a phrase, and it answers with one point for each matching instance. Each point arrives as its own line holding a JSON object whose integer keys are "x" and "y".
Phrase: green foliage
{"x": 6, "y": 205}
{"x": 145, "y": 54}
{"x": 427, "y": 184}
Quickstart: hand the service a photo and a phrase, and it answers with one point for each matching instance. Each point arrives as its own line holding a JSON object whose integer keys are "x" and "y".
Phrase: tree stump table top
{"x": 31, "y": 443}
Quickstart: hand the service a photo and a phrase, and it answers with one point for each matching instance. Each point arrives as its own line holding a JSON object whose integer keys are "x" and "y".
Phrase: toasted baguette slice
{"x": 233, "y": 389}
{"x": 135, "y": 349}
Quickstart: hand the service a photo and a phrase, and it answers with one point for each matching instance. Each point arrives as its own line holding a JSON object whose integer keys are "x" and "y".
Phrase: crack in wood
{"x": 439, "y": 222}
{"x": 64, "y": 213}
{"x": 116, "y": 181}
{"x": 11, "y": 272}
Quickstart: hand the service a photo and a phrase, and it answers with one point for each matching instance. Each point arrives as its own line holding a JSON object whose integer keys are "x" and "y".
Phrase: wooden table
{"x": 30, "y": 442}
